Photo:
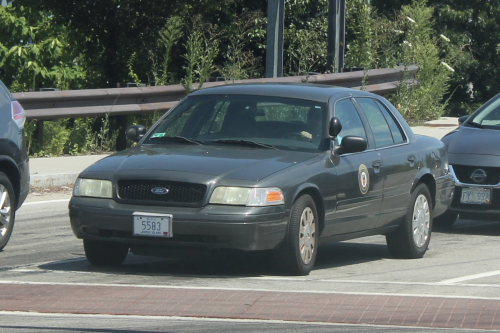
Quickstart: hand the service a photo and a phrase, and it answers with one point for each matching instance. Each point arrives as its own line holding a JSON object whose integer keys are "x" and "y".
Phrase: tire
{"x": 297, "y": 253}
{"x": 100, "y": 253}
{"x": 7, "y": 210}
{"x": 446, "y": 220}
{"x": 412, "y": 238}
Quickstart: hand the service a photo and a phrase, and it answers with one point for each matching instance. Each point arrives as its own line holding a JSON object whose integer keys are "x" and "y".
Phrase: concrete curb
{"x": 53, "y": 180}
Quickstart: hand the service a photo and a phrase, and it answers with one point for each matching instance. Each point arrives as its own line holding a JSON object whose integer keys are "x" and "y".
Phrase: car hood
{"x": 221, "y": 161}
{"x": 477, "y": 141}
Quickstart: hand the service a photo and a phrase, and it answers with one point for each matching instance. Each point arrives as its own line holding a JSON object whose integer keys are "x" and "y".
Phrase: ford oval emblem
{"x": 160, "y": 190}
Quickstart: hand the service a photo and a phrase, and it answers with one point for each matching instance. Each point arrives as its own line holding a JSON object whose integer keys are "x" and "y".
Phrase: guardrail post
{"x": 121, "y": 140}
{"x": 274, "y": 50}
{"x": 336, "y": 36}
{"x": 38, "y": 132}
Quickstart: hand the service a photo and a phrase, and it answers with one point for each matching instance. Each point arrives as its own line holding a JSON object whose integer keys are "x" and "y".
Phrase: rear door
{"x": 399, "y": 161}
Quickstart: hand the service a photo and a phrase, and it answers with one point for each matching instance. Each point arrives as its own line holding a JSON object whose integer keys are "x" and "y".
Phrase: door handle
{"x": 411, "y": 158}
{"x": 377, "y": 164}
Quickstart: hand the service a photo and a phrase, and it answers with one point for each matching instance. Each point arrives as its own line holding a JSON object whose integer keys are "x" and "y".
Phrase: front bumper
{"x": 212, "y": 226}
{"x": 476, "y": 211}
{"x": 24, "y": 170}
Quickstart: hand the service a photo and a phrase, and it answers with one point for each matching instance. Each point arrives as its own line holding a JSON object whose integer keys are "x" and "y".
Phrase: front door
{"x": 359, "y": 181}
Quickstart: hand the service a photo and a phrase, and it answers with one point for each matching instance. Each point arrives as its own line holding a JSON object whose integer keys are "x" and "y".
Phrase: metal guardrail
{"x": 140, "y": 100}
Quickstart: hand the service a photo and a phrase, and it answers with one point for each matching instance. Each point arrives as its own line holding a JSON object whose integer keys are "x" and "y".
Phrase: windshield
{"x": 256, "y": 122}
{"x": 488, "y": 116}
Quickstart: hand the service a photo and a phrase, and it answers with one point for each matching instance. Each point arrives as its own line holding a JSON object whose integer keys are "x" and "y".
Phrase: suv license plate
{"x": 153, "y": 225}
{"x": 477, "y": 196}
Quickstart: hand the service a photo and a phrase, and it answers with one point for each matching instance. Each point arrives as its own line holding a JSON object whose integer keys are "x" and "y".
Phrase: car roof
{"x": 316, "y": 92}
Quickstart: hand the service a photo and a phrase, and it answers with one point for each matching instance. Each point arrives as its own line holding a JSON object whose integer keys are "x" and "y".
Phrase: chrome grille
{"x": 464, "y": 172}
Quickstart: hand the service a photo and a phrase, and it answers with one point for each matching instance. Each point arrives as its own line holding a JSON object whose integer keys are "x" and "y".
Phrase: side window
{"x": 377, "y": 121}
{"x": 350, "y": 120}
{"x": 397, "y": 134}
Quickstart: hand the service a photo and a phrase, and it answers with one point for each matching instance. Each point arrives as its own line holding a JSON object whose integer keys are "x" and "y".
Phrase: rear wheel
{"x": 412, "y": 238}
{"x": 298, "y": 252}
{"x": 7, "y": 210}
{"x": 100, "y": 253}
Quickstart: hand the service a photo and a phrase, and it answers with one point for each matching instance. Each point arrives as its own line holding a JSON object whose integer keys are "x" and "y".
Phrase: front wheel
{"x": 100, "y": 253}
{"x": 7, "y": 210}
{"x": 412, "y": 238}
{"x": 298, "y": 252}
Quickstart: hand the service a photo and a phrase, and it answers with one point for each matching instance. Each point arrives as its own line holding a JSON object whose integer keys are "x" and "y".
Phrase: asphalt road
{"x": 461, "y": 263}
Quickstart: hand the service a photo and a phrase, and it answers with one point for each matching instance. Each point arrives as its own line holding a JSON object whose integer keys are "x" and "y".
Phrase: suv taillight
{"x": 18, "y": 114}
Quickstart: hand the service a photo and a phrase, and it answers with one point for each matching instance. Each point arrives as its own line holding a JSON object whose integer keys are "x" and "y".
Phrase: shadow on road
{"x": 469, "y": 227}
{"x": 230, "y": 264}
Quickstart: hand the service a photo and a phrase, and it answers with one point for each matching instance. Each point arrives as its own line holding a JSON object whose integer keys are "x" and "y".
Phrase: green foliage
{"x": 201, "y": 50}
{"x": 169, "y": 36}
{"x": 131, "y": 73}
{"x": 306, "y": 49}
{"x": 55, "y": 137}
{"x": 420, "y": 46}
{"x": 360, "y": 33}
{"x": 79, "y": 44}
{"x": 305, "y": 36}
{"x": 34, "y": 51}
{"x": 240, "y": 61}
{"x": 29, "y": 129}
{"x": 81, "y": 138}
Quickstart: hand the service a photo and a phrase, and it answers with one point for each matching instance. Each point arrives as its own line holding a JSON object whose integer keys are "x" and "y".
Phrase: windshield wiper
{"x": 475, "y": 124}
{"x": 177, "y": 139}
{"x": 245, "y": 143}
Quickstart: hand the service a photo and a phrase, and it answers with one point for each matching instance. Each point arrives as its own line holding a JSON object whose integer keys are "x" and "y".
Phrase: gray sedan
{"x": 268, "y": 167}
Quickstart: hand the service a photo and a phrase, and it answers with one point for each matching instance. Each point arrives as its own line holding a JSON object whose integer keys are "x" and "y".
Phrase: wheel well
{"x": 13, "y": 174}
{"x": 318, "y": 200}
{"x": 429, "y": 181}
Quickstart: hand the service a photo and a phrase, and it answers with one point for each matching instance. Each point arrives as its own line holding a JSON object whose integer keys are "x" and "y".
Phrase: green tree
{"x": 35, "y": 52}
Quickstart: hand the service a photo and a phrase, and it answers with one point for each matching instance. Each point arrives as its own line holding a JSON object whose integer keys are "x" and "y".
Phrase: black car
{"x": 274, "y": 167}
{"x": 14, "y": 165}
{"x": 474, "y": 157}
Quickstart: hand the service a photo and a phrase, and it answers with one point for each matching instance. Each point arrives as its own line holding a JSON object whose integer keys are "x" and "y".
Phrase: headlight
{"x": 247, "y": 196}
{"x": 93, "y": 188}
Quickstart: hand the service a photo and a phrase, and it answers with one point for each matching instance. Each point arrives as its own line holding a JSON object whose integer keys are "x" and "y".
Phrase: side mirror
{"x": 351, "y": 144}
{"x": 135, "y": 132}
{"x": 462, "y": 119}
{"x": 335, "y": 127}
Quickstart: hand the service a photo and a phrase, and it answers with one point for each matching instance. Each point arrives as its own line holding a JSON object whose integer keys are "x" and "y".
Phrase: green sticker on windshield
{"x": 158, "y": 135}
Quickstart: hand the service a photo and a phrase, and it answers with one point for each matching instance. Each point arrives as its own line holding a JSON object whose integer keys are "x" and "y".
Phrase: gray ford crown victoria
{"x": 275, "y": 167}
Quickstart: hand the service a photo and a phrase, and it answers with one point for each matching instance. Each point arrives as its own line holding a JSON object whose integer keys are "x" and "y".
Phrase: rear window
{"x": 5, "y": 96}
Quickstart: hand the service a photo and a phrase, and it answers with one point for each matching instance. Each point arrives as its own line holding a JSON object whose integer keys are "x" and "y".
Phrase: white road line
{"x": 43, "y": 202}
{"x": 208, "y": 319}
{"x": 470, "y": 277}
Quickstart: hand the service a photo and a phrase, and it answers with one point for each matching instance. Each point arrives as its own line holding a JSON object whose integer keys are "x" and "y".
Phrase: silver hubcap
{"x": 421, "y": 219}
{"x": 4, "y": 211}
{"x": 307, "y": 235}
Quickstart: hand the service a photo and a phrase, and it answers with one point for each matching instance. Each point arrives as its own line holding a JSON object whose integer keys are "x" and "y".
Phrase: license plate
{"x": 153, "y": 225}
{"x": 477, "y": 196}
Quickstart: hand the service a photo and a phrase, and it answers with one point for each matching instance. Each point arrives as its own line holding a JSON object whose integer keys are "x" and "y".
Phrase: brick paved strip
{"x": 241, "y": 304}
